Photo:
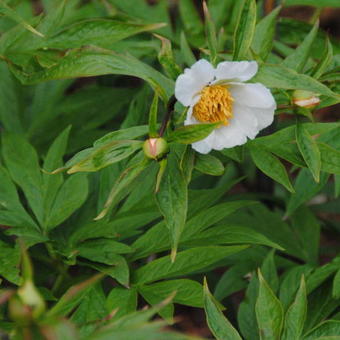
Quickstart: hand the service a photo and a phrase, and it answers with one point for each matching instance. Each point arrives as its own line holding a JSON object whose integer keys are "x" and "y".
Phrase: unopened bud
{"x": 19, "y": 312}
{"x": 155, "y": 148}
{"x": 305, "y": 99}
{"x": 31, "y": 297}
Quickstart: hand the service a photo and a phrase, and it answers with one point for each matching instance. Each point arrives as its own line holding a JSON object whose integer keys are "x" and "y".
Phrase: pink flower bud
{"x": 155, "y": 148}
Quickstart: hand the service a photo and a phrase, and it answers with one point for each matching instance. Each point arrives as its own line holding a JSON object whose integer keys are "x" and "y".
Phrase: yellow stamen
{"x": 215, "y": 105}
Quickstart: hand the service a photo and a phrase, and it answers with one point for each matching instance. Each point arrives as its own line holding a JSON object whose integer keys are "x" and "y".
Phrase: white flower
{"x": 219, "y": 94}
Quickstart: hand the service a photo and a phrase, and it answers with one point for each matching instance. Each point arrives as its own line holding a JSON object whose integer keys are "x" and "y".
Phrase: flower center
{"x": 215, "y": 105}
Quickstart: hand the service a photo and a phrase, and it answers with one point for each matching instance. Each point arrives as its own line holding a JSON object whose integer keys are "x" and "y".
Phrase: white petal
{"x": 203, "y": 146}
{"x": 265, "y": 116}
{"x": 253, "y": 95}
{"x": 236, "y": 70}
{"x": 193, "y": 80}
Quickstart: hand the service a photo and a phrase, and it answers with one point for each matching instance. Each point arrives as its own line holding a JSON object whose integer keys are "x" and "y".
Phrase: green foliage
{"x": 98, "y": 240}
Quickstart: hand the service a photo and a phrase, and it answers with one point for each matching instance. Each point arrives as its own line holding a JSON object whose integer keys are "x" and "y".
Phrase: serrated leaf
{"x": 191, "y": 133}
{"x": 269, "y": 312}
{"x": 245, "y": 30}
{"x": 296, "y": 314}
{"x": 297, "y": 60}
{"x": 271, "y": 166}
{"x": 219, "y": 325}
{"x": 309, "y": 150}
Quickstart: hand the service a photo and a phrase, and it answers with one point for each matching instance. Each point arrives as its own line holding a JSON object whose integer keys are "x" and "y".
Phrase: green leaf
{"x": 106, "y": 154}
{"x": 123, "y": 300}
{"x": 264, "y": 34}
{"x": 191, "y": 133}
{"x": 307, "y": 231}
{"x": 296, "y": 314}
{"x": 7, "y": 11}
{"x": 91, "y": 62}
{"x": 188, "y": 56}
{"x": 336, "y": 285}
{"x": 53, "y": 160}
{"x": 125, "y": 179}
{"x": 187, "y": 261}
{"x": 129, "y": 133}
{"x": 120, "y": 271}
{"x": 330, "y": 159}
{"x": 191, "y": 20}
{"x": 316, "y": 3}
{"x": 12, "y": 212}
{"x": 325, "y": 61}
{"x": 219, "y": 325}
{"x": 9, "y": 101}
{"x": 70, "y": 197}
{"x": 156, "y": 239}
{"x": 271, "y": 166}
{"x": 72, "y": 297}
{"x": 245, "y": 30}
{"x": 321, "y": 274}
{"x": 297, "y": 60}
{"x": 167, "y": 59}
{"x": 309, "y": 150}
{"x": 305, "y": 189}
{"x": 208, "y": 164}
{"x": 222, "y": 234}
{"x": 172, "y": 199}
{"x": 188, "y": 292}
{"x": 269, "y": 312}
{"x": 99, "y": 32}
{"x": 9, "y": 262}
{"x": 153, "y": 117}
{"x": 336, "y": 186}
{"x": 22, "y": 162}
{"x": 329, "y": 328}
{"x": 281, "y": 77}
{"x": 210, "y": 32}
{"x": 103, "y": 250}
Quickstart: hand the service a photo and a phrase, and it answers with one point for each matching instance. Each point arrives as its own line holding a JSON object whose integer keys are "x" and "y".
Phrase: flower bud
{"x": 19, "y": 312}
{"x": 305, "y": 99}
{"x": 155, "y": 148}
{"x": 31, "y": 297}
